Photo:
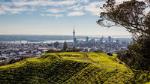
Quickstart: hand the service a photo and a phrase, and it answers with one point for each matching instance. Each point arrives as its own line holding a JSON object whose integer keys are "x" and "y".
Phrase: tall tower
{"x": 74, "y": 34}
{"x": 74, "y": 38}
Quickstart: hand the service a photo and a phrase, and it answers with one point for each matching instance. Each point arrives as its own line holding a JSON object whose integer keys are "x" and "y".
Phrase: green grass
{"x": 69, "y": 68}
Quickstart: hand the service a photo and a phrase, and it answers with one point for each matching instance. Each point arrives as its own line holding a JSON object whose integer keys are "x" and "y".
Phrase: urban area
{"x": 12, "y": 51}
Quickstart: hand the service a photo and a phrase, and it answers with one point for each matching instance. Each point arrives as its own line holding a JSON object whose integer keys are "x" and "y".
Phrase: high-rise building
{"x": 101, "y": 39}
{"x": 109, "y": 39}
{"x": 87, "y": 39}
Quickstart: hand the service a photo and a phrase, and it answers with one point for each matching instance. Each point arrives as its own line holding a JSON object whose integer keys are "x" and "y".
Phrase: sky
{"x": 54, "y": 17}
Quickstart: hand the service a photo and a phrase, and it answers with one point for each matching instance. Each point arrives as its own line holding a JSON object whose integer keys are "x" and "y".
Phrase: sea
{"x": 47, "y": 38}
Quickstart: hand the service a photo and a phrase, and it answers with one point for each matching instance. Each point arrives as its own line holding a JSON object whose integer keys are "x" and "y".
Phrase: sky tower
{"x": 74, "y": 38}
{"x": 74, "y": 33}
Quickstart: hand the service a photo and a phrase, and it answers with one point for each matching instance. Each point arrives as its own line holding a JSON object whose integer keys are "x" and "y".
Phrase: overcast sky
{"x": 53, "y": 17}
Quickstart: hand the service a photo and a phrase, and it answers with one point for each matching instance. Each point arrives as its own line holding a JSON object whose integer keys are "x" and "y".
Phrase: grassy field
{"x": 70, "y": 68}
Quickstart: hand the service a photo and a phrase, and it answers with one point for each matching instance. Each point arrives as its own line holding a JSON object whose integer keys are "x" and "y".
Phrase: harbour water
{"x": 45, "y": 38}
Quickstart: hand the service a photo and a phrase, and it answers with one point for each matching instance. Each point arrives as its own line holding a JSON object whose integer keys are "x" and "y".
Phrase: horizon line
{"x": 122, "y": 36}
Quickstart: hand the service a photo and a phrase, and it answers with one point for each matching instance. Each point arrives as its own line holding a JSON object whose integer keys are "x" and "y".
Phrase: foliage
{"x": 56, "y": 44}
{"x": 129, "y": 14}
{"x": 67, "y": 68}
{"x": 133, "y": 16}
{"x": 65, "y": 46}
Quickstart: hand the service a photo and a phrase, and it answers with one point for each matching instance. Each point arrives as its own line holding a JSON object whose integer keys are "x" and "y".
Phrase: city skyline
{"x": 54, "y": 17}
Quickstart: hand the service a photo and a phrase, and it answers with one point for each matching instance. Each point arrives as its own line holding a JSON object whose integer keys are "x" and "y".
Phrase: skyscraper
{"x": 87, "y": 39}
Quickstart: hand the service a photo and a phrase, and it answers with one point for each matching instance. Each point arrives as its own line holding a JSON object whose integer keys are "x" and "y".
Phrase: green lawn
{"x": 69, "y": 68}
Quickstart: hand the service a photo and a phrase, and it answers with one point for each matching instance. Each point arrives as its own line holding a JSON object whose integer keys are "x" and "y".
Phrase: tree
{"x": 56, "y": 44}
{"x": 134, "y": 16}
{"x": 65, "y": 46}
{"x": 128, "y": 14}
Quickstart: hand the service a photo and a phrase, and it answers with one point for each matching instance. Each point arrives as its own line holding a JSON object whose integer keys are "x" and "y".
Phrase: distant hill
{"x": 70, "y": 68}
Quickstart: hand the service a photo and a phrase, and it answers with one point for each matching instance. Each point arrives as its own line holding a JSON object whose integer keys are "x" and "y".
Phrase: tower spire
{"x": 74, "y": 33}
{"x": 74, "y": 37}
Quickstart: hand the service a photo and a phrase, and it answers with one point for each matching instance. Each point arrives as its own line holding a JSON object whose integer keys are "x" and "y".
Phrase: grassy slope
{"x": 67, "y": 68}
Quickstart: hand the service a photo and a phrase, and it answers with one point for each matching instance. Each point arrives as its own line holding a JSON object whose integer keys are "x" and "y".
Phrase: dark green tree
{"x": 56, "y": 44}
{"x": 134, "y": 16}
{"x": 65, "y": 46}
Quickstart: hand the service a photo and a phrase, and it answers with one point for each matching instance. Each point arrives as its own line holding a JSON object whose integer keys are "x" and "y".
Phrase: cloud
{"x": 52, "y": 7}
{"x": 53, "y": 15}
{"x": 62, "y": 2}
{"x": 76, "y": 13}
{"x": 43, "y": 2}
{"x": 94, "y": 8}
{"x": 2, "y": 11}
{"x": 15, "y": 10}
{"x": 55, "y": 10}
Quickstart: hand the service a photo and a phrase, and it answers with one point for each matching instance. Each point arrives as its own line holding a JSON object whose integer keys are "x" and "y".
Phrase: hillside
{"x": 69, "y": 68}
